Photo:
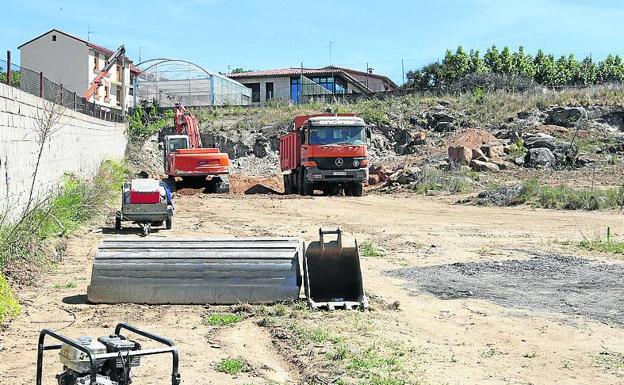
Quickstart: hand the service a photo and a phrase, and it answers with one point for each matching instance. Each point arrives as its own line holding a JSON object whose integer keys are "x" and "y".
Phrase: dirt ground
{"x": 463, "y": 340}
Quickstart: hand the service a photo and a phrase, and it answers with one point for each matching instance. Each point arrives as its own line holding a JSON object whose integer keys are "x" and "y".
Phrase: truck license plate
{"x": 341, "y": 173}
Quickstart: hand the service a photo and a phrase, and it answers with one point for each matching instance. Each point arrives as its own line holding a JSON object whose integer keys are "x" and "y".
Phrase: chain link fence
{"x": 35, "y": 83}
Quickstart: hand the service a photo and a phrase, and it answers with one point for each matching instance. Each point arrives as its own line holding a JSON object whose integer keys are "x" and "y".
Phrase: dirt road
{"x": 449, "y": 341}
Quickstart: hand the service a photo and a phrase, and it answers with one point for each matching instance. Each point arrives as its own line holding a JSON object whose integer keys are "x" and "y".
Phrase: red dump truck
{"x": 325, "y": 152}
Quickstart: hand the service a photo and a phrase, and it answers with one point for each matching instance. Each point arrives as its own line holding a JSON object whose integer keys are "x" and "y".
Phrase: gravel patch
{"x": 556, "y": 283}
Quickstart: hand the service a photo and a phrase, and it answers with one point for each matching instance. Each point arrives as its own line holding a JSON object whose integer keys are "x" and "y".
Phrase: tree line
{"x": 543, "y": 69}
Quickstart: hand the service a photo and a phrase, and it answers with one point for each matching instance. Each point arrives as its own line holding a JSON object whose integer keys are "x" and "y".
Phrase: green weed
{"x": 222, "y": 319}
{"x": 232, "y": 366}
{"x": 370, "y": 249}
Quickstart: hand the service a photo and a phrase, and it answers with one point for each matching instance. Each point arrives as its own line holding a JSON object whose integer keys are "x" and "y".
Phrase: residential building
{"x": 286, "y": 84}
{"x": 74, "y": 62}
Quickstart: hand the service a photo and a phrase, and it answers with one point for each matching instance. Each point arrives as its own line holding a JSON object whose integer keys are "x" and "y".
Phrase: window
{"x": 255, "y": 92}
{"x": 335, "y": 135}
{"x": 53, "y": 37}
{"x": 295, "y": 89}
{"x": 118, "y": 93}
{"x": 269, "y": 91}
{"x": 119, "y": 72}
{"x": 106, "y": 94}
{"x": 96, "y": 63}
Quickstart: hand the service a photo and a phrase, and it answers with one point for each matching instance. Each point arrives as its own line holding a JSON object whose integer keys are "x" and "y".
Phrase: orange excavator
{"x": 187, "y": 162}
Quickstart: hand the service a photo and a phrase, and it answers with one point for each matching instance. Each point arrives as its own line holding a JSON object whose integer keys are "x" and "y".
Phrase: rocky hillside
{"x": 550, "y": 130}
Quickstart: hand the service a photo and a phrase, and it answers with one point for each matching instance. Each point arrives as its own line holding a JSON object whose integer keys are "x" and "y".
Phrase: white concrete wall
{"x": 64, "y": 61}
{"x": 281, "y": 87}
{"x": 79, "y": 146}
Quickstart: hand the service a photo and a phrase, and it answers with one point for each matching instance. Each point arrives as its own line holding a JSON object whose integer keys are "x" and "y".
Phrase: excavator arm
{"x": 186, "y": 124}
{"x": 97, "y": 82}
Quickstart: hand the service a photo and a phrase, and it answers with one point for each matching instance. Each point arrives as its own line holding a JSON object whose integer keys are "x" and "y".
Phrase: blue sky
{"x": 275, "y": 34}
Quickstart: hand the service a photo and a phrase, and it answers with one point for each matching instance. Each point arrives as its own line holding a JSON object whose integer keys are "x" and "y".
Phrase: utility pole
{"x": 403, "y": 71}
{"x": 332, "y": 67}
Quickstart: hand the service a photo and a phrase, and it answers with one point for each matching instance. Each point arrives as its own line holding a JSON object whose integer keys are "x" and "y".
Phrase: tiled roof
{"x": 296, "y": 72}
{"x": 95, "y": 47}
{"x": 280, "y": 72}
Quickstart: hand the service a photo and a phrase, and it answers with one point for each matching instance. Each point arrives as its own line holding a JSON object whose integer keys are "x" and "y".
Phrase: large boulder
{"x": 540, "y": 157}
{"x": 406, "y": 175}
{"x": 460, "y": 155}
{"x": 565, "y": 116}
{"x": 493, "y": 151}
{"x": 482, "y": 166}
{"x": 563, "y": 151}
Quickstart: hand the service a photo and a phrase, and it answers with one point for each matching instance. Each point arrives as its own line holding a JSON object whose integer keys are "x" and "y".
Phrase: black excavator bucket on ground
{"x": 332, "y": 274}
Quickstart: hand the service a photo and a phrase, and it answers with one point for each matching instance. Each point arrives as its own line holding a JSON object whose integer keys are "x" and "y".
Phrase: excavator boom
{"x": 97, "y": 82}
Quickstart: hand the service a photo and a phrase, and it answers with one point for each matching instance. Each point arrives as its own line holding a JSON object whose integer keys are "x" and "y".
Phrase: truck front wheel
{"x": 357, "y": 189}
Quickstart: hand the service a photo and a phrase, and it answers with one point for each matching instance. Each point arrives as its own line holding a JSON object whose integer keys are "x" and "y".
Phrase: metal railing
{"x": 35, "y": 83}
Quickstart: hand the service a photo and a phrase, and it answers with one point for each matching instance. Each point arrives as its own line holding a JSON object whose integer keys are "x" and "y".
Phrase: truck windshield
{"x": 337, "y": 135}
{"x": 177, "y": 143}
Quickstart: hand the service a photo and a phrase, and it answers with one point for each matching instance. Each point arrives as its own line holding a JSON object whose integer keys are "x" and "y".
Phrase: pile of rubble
{"x": 487, "y": 157}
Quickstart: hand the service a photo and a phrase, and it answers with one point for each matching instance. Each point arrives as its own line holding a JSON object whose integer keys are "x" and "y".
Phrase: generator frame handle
{"x": 175, "y": 375}
{"x": 171, "y": 348}
{"x": 42, "y": 347}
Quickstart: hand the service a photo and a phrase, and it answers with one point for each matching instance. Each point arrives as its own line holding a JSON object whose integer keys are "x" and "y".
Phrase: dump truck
{"x": 187, "y": 162}
{"x": 325, "y": 152}
{"x": 229, "y": 271}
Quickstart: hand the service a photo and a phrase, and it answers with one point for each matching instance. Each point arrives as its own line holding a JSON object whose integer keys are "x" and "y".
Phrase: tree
{"x": 506, "y": 61}
{"x": 239, "y": 70}
{"x": 477, "y": 64}
{"x": 545, "y": 71}
{"x": 588, "y": 73}
{"x": 611, "y": 70}
{"x": 523, "y": 64}
{"x": 492, "y": 59}
{"x": 455, "y": 65}
{"x": 430, "y": 76}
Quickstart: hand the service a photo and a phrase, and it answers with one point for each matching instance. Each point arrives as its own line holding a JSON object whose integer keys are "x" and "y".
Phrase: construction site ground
{"x": 424, "y": 326}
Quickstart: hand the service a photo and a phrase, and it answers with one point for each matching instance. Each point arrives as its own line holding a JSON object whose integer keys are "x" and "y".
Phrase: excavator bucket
{"x": 332, "y": 274}
{"x": 183, "y": 271}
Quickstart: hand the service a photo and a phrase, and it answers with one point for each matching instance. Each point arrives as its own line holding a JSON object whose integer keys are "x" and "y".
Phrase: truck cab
{"x": 325, "y": 152}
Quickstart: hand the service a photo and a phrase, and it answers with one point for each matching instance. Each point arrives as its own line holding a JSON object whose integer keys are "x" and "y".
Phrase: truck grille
{"x": 330, "y": 163}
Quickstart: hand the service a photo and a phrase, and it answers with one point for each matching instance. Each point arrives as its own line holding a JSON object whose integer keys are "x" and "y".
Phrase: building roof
{"x": 364, "y": 73}
{"x": 296, "y": 72}
{"x": 95, "y": 47}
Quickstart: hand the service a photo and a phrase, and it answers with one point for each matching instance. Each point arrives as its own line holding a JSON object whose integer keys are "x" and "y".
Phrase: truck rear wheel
{"x": 287, "y": 185}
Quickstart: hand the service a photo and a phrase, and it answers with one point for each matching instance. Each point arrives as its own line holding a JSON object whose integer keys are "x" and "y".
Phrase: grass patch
{"x": 538, "y": 194}
{"x": 370, "y": 249}
{"x": 29, "y": 240}
{"x": 9, "y": 307}
{"x": 232, "y": 366}
{"x": 433, "y": 180}
{"x": 609, "y": 360}
{"x": 603, "y": 245}
{"x": 222, "y": 319}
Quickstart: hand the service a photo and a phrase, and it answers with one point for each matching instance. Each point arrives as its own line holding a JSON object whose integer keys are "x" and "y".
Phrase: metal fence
{"x": 36, "y": 83}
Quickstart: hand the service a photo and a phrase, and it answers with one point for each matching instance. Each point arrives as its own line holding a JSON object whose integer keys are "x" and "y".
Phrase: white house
{"x": 73, "y": 62}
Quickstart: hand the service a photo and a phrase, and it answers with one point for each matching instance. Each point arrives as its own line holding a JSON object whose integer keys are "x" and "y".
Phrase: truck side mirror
{"x": 369, "y": 133}
{"x": 160, "y": 146}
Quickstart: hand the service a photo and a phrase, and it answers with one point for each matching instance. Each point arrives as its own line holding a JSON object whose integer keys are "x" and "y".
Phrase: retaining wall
{"x": 79, "y": 144}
